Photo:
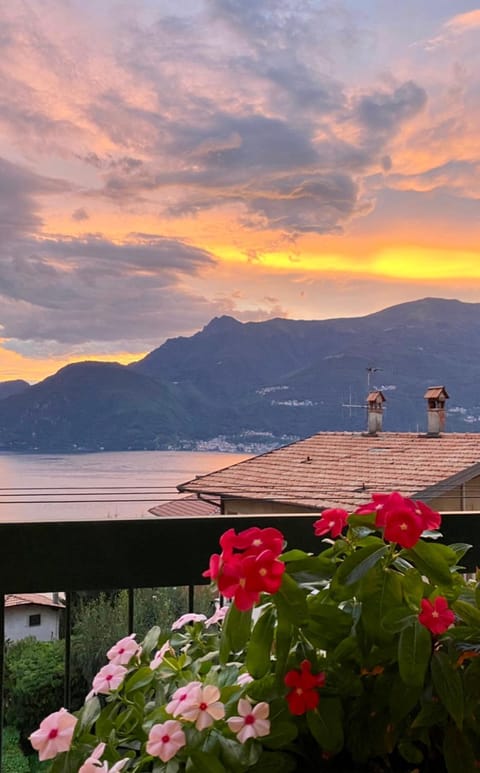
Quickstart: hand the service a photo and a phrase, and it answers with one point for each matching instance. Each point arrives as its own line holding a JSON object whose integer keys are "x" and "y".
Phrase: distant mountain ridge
{"x": 255, "y": 385}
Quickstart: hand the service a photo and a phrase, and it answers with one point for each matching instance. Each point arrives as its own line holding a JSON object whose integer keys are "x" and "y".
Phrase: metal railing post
{"x": 67, "y": 679}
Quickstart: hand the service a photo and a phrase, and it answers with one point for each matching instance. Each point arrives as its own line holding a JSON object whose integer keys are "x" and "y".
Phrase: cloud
{"x": 19, "y": 207}
{"x": 74, "y": 290}
{"x": 80, "y": 214}
{"x": 385, "y": 112}
{"x": 454, "y": 28}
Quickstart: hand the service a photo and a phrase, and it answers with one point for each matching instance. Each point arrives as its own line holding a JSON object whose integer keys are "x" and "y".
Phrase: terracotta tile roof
{"x": 23, "y": 599}
{"x": 343, "y": 469}
{"x": 187, "y": 506}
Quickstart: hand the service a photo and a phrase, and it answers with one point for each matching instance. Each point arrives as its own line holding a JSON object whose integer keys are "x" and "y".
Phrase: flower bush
{"x": 362, "y": 657}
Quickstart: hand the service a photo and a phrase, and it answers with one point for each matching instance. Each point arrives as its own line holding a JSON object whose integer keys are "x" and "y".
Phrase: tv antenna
{"x": 370, "y": 371}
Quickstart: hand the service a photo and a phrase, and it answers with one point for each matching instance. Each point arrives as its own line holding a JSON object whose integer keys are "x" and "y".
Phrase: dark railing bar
{"x": 191, "y": 598}
{"x": 67, "y": 686}
{"x": 131, "y": 609}
{"x": 2, "y": 674}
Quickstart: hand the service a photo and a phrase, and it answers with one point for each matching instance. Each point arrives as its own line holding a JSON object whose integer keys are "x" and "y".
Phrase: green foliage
{"x": 13, "y": 761}
{"x": 33, "y": 683}
{"x": 378, "y": 644}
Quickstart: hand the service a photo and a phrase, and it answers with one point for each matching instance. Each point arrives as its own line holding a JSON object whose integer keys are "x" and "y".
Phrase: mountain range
{"x": 251, "y": 386}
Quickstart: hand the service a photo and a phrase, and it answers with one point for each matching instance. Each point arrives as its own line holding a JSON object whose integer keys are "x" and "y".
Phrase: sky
{"x": 166, "y": 162}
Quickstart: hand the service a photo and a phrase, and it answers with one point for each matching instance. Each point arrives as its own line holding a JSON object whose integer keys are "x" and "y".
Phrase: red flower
{"x": 248, "y": 565}
{"x": 402, "y": 519}
{"x": 403, "y": 526}
{"x": 437, "y": 617}
{"x": 303, "y": 695}
{"x": 332, "y": 520}
{"x": 253, "y": 540}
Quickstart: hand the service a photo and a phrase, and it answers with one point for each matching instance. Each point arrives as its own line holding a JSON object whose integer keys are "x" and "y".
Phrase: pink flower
{"x": 244, "y": 679}
{"x": 180, "y": 698}
{"x": 166, "y": 739}
{"x": 54, "y": 734}
{"x": 437, "y": 617}
{"x": 108, "y": 678}
{"x": 217, "y": 616}
{"x": 190, "y": 617}
{"x": 332, "y": 520}
{"x": 160, "y": 654}
{"x": 93, "y": 765}
{"x": 124, "y": 650}
{"x": 203, "y": 706}
{"x": 252, "y": 722}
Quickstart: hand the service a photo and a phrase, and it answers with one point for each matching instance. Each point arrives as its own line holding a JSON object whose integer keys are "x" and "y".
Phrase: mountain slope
{"x": 261, "y": 382}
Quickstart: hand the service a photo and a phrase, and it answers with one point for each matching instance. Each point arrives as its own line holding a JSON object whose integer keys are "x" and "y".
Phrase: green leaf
{"x": 448, "y": 686}
{"x": 202, "y": 762}
{"x": 414, "y": 650}
{"x": 88, "y": 715}
{"x": 398, "y": 618}
{"x": 403, "y": 699}
{"x": 281, "y": 734}
{"x": 326, "y": 725}
{"x": 467, "y": 612}
{"x": 259, "y": 648}
{"x": 295, "y": 600}
{"x": 294, "y": 555}
{"x": 413, "y": 588}
{"x": 430, "y": 715}
{"x": 237, "y": 756}
{"x": 410, "y": 752}
{"x": 283, "y": 637}
{"x": 368, "y": 519}
{"x": 151, "y": 640}
{"x": 140, "y": 678}
{"x": 327, "y": 625}
{"x": 458, "y": 754}
{"x": 275, "y": 762}
{"x": 235, "y": 631}
{"x": 357, "y": 564}
{"x": 460, "y": 548}
{"x": 433, "y": 560}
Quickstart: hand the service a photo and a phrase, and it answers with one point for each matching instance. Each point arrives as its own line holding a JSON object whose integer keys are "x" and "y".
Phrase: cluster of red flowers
{"x": 303, "y": 695}
{"x": 402, "y": 520}
{"x": 248, "y": 565}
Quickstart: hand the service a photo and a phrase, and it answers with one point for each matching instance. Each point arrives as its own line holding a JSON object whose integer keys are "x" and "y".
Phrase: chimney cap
{"x": 374, "y": 397}
{"x": 436, "y": 392}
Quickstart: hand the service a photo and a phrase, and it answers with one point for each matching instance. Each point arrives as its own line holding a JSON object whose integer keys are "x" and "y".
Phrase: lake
{"x": 123, "y": 484}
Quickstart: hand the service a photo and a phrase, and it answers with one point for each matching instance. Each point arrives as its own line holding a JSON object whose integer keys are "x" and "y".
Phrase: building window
{"x": 34, "y": 620}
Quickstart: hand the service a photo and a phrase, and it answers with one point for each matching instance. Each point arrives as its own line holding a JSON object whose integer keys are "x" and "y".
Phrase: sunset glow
{"x": 164, "y": 163}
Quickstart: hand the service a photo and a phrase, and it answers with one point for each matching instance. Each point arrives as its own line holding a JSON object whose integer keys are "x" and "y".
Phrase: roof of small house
{"x": 188, "y": 506}
{"x": 37, "y": 599}
{"x": 343, "y": 469}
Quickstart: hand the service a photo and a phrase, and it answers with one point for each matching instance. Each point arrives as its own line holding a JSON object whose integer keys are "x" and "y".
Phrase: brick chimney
{"x": 436, "y": 397}
{"x": 375, "y": 402}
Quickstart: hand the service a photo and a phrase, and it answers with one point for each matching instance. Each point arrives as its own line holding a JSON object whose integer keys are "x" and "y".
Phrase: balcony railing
{"x": 91, "y": 555}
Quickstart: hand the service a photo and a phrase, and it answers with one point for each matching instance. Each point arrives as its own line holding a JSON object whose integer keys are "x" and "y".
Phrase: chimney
{"x": 375, "y": 402}
{"x": 435, "y": 397}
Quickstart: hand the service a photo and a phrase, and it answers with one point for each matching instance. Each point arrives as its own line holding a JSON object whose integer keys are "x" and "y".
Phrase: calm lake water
{"x": 44, "y": 487}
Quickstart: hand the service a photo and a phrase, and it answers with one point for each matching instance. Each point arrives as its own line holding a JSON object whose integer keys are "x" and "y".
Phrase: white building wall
{"x": 17, "y": 622}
